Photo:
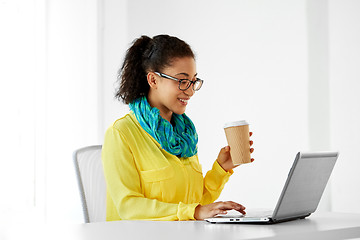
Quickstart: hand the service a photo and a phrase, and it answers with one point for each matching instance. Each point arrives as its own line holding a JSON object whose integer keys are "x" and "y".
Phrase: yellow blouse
{"x": 144, "y": 182}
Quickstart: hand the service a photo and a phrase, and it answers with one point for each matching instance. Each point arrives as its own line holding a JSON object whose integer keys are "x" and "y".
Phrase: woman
{"x": 150, "y": 155}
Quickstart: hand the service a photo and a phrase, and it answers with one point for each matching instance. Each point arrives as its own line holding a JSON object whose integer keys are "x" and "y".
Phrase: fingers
{"x": 224, "y": 150}
{"x": 213, "y": 209}
{"x": 229, "y": 205}
{"x": 251, "y": 151}
{"x": 251, "y": 143}
{"x": 217, "y": 211}
{"x": 224, "y": 153}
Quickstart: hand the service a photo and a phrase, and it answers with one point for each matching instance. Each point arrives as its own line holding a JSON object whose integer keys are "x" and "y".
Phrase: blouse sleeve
{"x": 214, "y": 183}
{"x": 124, "y": 188}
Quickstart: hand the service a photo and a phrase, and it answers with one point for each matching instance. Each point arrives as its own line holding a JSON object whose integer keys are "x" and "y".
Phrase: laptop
{"x": 301, "y": 194}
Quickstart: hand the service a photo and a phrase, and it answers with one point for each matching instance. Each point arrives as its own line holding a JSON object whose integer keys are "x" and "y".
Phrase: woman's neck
{"x": 164, "y": 112}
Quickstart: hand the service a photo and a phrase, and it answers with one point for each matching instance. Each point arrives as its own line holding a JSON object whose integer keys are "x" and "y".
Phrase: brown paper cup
{"x": 237, "y": 135}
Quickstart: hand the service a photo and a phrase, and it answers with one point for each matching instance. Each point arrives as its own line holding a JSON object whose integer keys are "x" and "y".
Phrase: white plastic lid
{"x": 235, "y": 124}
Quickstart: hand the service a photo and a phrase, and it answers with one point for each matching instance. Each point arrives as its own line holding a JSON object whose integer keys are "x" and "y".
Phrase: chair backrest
{"x": 91, "y": 181}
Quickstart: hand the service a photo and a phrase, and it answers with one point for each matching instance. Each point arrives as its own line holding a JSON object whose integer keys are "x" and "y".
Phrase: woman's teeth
{"x": 183, "y": 100}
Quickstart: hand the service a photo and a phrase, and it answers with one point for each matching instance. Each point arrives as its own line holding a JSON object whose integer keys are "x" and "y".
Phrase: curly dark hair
{"x": 147, "y": 55}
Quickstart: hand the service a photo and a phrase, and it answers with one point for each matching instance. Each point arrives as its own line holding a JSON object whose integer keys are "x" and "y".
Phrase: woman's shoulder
{"x": 125, "y": 124}
{"x": 122, "y": 122}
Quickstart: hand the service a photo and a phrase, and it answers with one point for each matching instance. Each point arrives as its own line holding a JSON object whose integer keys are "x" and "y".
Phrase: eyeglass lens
{"x": 185, "y": 84}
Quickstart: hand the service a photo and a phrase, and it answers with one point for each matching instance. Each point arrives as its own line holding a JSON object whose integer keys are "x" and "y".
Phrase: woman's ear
{"x": 152, "y": 80}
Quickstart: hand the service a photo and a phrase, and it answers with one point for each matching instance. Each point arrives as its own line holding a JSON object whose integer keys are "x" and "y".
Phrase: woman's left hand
{"x": 224, "y": 157}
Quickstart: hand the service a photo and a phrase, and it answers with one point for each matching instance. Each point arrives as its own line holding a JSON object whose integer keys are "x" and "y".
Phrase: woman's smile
{"x": 184, "y": 101}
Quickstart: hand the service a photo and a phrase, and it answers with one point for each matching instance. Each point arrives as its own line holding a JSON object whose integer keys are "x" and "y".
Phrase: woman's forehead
{"x": 185, "y": 66}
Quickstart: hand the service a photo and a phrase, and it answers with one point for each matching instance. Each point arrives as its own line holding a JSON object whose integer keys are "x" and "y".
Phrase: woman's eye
{"x": 184, "y": 82}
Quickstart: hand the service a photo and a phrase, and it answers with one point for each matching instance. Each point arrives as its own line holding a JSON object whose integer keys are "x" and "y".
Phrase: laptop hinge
{"x": 289, "y": 218}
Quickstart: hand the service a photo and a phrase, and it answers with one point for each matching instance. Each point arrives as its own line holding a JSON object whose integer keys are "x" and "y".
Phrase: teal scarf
{"x": 180, "y": 139}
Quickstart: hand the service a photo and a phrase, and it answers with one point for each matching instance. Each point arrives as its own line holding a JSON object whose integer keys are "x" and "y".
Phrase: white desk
{"x": 317, "y": 226}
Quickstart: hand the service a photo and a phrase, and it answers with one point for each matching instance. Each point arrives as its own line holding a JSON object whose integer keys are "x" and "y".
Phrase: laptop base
{"x": 244, "y": 220}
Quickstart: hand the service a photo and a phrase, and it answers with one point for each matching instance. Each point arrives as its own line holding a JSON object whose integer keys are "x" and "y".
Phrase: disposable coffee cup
{"x": 238, "y": 138}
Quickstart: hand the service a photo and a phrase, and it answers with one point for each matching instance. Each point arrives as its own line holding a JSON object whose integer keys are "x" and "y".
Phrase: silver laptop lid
{"x": 305, "y": 184}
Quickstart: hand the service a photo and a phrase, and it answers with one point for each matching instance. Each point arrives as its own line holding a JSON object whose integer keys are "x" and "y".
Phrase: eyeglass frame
{"x": 180, "y": 80}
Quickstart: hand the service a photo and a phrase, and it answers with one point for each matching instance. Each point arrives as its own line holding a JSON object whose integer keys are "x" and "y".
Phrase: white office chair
{"x": 91, "y": 181}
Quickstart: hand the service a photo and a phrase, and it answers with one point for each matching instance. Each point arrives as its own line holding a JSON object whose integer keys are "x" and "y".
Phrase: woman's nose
{"x": 190, "y": 91}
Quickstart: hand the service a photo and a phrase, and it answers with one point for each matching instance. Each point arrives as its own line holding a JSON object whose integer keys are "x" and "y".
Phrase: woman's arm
{"x": 216, "y": 178}
{"x": 214, "y": 183}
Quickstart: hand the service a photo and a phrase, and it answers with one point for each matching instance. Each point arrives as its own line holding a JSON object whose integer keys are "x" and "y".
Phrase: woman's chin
{"x": 180, "y": 111}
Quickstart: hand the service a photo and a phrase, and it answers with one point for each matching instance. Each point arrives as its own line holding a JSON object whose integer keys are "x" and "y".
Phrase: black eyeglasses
{"x": 184, "y": 84}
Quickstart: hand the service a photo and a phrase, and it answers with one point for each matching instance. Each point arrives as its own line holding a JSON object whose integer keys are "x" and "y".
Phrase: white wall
{"x": 50, "y": 105}
{"x": 114, "y": 43}
{"x": 344, "y": 62}
{"x": 17, "y": 102}
{"x": 71, "y": 111}
{"x": 279, "y": 64}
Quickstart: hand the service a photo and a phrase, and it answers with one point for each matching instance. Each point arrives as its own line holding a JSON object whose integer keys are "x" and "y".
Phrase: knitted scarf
{"x": 180, "y": 139}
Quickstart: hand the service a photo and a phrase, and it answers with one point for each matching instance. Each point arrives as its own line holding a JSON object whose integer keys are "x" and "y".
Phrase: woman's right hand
{"x": 213, "y": 209}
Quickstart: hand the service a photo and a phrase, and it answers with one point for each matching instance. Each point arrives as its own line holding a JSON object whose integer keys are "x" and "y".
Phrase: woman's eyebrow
{"x": 187, "y": 75}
